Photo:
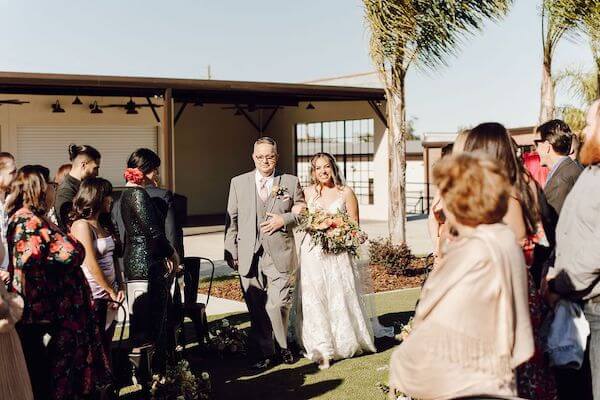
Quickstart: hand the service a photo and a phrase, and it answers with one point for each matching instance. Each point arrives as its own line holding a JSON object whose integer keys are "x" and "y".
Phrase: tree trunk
{"x": 547, "y": 92}
{"x": 397, "y": 157}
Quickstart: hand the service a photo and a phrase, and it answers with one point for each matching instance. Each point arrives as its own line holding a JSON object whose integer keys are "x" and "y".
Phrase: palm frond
{"x": 425, "y": 32}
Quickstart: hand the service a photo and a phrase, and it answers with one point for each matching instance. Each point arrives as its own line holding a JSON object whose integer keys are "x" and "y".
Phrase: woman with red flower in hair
{"x": 46, "y": 269}
{"x": 148, "y": 254}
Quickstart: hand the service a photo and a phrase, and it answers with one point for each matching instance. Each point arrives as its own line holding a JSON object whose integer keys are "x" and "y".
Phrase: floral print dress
{"x": 46, "y": 268}
{"x": 535, "y": 379}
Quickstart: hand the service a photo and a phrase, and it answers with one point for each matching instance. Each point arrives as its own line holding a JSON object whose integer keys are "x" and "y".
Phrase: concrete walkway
{"x": 208, "y": 242}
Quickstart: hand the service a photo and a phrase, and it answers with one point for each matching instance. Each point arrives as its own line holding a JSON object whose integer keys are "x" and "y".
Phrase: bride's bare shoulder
{"x": 347, "y": 191}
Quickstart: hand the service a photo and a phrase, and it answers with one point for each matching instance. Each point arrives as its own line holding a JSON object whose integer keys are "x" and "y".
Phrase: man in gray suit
{"x": 554, "y": 147}
{"x": 259, "y": 244}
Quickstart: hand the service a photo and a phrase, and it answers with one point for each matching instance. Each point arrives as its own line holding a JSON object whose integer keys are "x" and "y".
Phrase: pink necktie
{"x": 263, "y": 193}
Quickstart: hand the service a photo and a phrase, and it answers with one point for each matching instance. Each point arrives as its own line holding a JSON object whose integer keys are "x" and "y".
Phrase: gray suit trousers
{"x": 268, "y": 296}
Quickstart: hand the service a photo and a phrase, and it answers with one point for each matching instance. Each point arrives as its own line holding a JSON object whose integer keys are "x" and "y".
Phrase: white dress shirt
{"x": 269, "y": 184}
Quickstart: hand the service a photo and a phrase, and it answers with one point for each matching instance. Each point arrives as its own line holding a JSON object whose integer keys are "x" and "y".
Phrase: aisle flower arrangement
{"x": 181, "y": 384}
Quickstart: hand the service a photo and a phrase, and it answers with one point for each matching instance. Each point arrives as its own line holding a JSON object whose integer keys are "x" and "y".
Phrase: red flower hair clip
{"x": 134, "y": 175}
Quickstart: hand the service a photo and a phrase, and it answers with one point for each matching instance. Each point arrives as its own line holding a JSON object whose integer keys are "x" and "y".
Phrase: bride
{"x": 332, "y": 321}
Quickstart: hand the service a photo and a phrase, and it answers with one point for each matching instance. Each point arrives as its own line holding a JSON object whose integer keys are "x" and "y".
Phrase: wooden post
{"x": 426, "y": 165}
{"x": 167, "y": 140}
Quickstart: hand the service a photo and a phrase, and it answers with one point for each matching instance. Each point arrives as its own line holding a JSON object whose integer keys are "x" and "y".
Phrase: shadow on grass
{"x": 235, "y": 381}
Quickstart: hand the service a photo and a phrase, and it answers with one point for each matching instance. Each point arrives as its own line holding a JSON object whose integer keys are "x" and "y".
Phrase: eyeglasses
{"x": 266, "y": 158}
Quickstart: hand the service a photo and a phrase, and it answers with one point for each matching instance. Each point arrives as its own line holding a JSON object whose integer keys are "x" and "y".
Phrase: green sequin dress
{"x": 146, "y": 251}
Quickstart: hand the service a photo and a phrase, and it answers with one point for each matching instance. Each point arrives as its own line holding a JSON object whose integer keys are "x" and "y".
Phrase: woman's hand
{"x": 120, "y": 297}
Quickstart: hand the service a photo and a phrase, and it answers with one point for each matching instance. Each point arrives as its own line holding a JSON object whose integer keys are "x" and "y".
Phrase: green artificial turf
{"x": 354, "y": 378}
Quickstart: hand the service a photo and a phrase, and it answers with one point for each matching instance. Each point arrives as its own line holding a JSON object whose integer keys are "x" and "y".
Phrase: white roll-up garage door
{"x": 47, "y": 145}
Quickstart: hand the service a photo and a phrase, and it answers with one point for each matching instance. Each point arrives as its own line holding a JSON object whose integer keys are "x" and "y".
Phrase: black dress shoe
{"x": 287, "y": 357}
{"x": 263, "y": 364}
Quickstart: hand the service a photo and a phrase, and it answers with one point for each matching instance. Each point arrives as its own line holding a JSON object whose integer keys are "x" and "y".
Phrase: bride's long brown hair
{"x": 338, "y": 179}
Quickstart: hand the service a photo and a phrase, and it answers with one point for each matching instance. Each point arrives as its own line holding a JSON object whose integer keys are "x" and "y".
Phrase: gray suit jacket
{"x": 241, "y": 229}
{"x": 561, "y": 183}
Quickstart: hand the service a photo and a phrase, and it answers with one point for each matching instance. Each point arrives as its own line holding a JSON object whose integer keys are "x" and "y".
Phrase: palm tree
{"x": 421, "y": 33}
{"x": 582, "y": 86}
{"x": 559, "y": 18}
{"x": 591, "y": 29}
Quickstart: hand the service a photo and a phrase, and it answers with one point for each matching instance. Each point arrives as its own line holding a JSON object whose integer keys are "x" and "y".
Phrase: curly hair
{"x": 474, "y": 187}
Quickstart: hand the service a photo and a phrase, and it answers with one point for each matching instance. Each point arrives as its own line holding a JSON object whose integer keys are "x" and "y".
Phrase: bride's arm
{"x": 351, "y": 204}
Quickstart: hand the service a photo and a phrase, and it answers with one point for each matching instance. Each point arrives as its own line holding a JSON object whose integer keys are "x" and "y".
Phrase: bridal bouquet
{"x": 335, "y": 233}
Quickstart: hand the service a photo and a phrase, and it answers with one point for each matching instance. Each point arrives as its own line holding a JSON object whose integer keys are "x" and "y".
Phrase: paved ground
{"x": 208, "y": 242}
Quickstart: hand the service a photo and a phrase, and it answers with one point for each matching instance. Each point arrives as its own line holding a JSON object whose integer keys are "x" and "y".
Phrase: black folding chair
{"x": 191, "y": 308}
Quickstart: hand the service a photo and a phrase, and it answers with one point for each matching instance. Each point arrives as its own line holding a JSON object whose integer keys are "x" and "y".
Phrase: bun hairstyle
{"x": 28, "y": 190}
{"x": 144, "y": 159}
{"x": 89, "y": 198}
{"x": 83, "y": 150}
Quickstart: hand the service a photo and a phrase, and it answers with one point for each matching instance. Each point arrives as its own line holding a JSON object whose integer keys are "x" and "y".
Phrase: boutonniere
{"x": 279, "y": 192}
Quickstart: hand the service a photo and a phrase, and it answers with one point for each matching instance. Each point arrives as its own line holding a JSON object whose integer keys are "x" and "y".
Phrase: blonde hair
{"x": 338, "y": 179}
{"x": 459, "y": 142}
{"x": 474, "y": 187}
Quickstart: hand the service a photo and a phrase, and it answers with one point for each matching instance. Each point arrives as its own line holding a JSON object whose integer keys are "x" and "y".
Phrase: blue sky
{"x": 495, "y": 76}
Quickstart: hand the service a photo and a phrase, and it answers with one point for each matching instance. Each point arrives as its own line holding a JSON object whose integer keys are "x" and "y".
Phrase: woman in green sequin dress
{"x": 148, "y": 254}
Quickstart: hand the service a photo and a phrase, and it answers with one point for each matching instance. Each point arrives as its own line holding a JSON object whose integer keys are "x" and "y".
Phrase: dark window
{"x": 352, "y": 144}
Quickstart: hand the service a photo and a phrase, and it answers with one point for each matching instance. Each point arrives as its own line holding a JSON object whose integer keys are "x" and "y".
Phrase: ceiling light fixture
{"x": 131, "y": 107}
{"x": 77, "y": 101}
{"x": 237, "y": 112}
{"x": 56, "y": 108}
{"x": 310, "y": 106}
{"x": 95, "y": 108}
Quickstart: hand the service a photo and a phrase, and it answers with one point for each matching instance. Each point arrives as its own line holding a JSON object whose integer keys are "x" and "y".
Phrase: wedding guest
{"x": 46, "y": 269}
{"x": 85, "y": 163}
{"x": 535, "y": 379}
{"x": 554, "y": 146}
{"x": 575, "y": 273}
{"x": 148, "y": 256}
{"x": 438, "y": 230}
{"x": 533, "y": 164}
{"x": 8, "y": 171}
{"x": 14, "y": 379}
{"x": 92, "y": 200}
{"x": 451, "y": 353}
{"x": 62, "y": 173}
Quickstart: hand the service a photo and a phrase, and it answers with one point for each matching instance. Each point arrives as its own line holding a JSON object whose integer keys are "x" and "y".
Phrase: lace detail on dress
{"x": 334, "y": 322}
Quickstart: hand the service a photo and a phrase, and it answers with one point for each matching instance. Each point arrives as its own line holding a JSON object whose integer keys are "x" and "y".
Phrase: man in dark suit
{"x": 554, "y": 147}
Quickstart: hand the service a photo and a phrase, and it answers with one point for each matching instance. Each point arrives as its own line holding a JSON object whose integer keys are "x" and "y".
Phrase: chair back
{"x": 191, "y": 278}
{"x": 135, "y": 288}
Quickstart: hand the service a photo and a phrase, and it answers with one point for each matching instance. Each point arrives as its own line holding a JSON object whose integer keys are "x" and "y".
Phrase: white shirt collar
{"x": 258, "y": 176}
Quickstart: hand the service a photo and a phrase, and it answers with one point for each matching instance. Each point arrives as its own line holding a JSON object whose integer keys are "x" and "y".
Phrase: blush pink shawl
{"x": 472, "y": 327}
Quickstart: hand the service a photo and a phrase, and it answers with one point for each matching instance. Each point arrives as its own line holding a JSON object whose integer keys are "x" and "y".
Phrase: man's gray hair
{"x": 266, "y": 140}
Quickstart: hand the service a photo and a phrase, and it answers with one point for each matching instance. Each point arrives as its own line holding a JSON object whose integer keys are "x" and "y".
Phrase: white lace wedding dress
{"x": 333, "y": 322}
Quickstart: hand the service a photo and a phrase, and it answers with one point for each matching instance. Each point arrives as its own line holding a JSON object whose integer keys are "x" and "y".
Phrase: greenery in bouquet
{"x": 181, "y": 384}
{"x": 335, "y": 233}
{"x": 226, "y": 339}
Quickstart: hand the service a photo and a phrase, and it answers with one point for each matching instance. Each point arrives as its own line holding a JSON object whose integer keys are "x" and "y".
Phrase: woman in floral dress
{"x": 46, "y": 270}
